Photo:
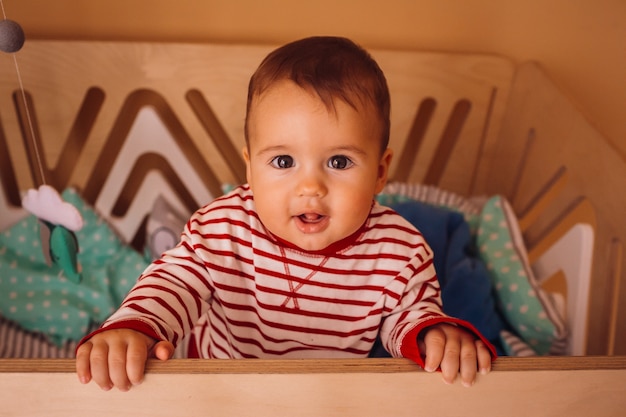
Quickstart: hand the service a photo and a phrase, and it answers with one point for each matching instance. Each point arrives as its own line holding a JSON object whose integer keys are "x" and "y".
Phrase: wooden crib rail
{"x": 554, "y": 386}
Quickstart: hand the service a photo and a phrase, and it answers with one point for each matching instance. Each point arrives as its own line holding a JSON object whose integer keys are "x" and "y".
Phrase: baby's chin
{"x": 312, "y": 237}
{"x": 321, "y": 242}
{"x": 309, "y": 244}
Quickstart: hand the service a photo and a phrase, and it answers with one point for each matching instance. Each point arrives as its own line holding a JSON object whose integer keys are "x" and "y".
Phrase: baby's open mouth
{"x": 310, "y": 217}
{"x": 311, "y": 222}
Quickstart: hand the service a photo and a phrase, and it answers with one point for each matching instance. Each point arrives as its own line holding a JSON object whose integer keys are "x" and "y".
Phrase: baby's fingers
{"x": 484, "y": 357}
{"x": 83, "y": 368}
{"x": 451, "y": 362}
{"x": 468, "y": 360}
{"x": 99, "y": 365}
{"x": 118, "y": 363}
{"x": 442, "y": 351}
{"x": 163, "y": 350}
{"x": 434, "y": 345}
{"x": 136, "y": 356}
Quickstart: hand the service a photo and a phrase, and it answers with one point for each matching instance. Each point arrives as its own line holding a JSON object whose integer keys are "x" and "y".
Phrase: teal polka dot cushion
{"x": 527, "y": 308}
{"x": 40, "y": 298}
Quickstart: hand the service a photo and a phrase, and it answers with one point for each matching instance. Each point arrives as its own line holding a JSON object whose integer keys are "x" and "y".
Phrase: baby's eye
{"x": 340, "y": 162}
{"x": 282, "y": 161}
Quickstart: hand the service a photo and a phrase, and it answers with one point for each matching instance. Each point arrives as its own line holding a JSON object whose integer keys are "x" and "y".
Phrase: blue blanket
{"x": 466, "y": 288}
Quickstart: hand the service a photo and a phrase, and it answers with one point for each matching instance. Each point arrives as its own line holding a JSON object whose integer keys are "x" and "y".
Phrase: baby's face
{"x": 313, "y": 172}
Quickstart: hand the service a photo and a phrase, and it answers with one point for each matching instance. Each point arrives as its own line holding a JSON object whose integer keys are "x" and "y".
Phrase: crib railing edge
{"x": 303, "y": 366}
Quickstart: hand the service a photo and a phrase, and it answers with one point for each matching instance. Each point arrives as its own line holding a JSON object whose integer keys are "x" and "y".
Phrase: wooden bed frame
{"x": 124, "y": 122}
{"x": 546, "y": 386}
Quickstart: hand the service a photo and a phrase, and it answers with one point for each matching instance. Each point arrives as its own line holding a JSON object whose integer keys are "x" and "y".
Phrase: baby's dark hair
{"x": 333, "y": 67}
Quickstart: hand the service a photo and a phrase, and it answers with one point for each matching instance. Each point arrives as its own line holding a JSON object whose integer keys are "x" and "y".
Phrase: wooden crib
{"x": 127, "y": 122}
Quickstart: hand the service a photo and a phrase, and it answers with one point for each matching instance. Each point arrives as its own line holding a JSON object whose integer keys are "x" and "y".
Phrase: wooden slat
{"x": 615, "y": 264}
{"x": 581, "y": 211}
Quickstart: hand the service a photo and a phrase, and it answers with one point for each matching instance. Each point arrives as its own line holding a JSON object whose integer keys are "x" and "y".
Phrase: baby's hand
{"x": 117, "y": 358}
{"x": 454, "y": 350}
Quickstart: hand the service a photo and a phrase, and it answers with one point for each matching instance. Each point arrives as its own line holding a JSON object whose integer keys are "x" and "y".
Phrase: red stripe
{"x": 304, "y": 347}
{"x": 292, "y": 327}
{"x": 148, "y": 313}
{"x": 181, "y": 303}
{"x": 304, "y": 296}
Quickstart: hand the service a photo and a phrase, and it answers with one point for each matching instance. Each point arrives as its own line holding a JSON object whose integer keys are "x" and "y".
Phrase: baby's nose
{"x": 311, "y": 183}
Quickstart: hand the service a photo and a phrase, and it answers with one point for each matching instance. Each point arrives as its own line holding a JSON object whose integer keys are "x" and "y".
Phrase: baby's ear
{"x": 246, "y": 157}
{"x": 383, "y": 169}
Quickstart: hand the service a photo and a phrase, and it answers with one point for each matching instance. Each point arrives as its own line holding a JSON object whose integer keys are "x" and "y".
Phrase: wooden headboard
{"x": 86, "y": 97}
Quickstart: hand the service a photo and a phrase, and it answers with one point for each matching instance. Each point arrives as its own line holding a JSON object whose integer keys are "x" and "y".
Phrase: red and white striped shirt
{"x": 243, "y": 293}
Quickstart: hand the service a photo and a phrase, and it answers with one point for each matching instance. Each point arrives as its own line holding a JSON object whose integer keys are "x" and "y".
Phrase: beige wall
{"x": 581, "y": 43}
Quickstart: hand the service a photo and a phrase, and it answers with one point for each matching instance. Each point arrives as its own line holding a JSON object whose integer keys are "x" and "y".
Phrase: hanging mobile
{"x": 58, "y": 219}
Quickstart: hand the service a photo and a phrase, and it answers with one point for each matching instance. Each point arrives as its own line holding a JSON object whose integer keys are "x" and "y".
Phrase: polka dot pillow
{"x": 40, "y": 298}
{"x": 527, "y": 308}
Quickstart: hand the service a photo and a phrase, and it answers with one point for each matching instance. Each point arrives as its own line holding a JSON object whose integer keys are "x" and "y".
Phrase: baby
{"x": 300, "y": 262}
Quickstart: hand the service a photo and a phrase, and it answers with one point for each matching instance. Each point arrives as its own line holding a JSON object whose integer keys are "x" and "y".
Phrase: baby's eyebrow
{"x": 350, "y": 149}
{"x": 273, "y": 149}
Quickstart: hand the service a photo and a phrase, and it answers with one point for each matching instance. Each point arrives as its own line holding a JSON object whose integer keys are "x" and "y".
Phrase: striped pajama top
{"x": 243, "y": 293}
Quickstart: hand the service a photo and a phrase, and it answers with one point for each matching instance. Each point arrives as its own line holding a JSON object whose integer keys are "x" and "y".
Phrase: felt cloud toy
{"x": 59, "y": 220}
{"x": 47, "y": 204}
